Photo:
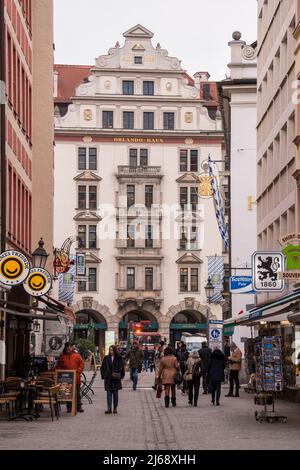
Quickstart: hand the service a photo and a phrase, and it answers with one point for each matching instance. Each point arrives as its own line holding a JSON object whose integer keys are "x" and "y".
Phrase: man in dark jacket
{"x": 135, "y": 357}
{"x": 182, "y": 357}
{"x": 215, "y": 369}
{"x": 204, "y": 354}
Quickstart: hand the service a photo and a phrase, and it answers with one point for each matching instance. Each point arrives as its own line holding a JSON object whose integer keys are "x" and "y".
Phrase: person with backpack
{"x": 204, "y": 354}
{"x": 182, "y": 357}
{"x": 193, "y": 376}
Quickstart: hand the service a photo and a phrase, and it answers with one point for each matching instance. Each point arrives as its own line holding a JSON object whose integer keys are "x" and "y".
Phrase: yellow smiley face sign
{"x": 14, "y": 268}
{"x": 38, "y": 282}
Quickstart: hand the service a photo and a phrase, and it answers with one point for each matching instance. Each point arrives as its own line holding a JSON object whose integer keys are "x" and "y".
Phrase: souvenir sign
{"x": 38, "y": 282}
{"x": 67, "y": 393}
{"x": 14, "y": 268}
{"x": 266, "y": 269}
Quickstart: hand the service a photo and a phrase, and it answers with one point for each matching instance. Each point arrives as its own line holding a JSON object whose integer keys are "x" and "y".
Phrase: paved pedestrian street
{"x": 144, "y": 423}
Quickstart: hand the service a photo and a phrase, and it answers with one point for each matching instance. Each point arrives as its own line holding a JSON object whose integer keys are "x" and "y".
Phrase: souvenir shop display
{"x": 269, "y": 377}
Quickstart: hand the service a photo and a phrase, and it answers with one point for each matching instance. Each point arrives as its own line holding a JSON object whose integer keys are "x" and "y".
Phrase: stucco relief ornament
{"x": 88, "y": 115}
{"x": 249, "y": 53}
{"x": 175, "y": 64}
{"x": 169, "y": 86}
{"x": 188, "y": 117}
{"x": 107, "y": 84}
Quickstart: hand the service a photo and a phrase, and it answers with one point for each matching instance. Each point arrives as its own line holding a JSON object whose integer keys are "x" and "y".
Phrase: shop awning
{"x": 228, "y": 328}
{"x": 282, "y": 306}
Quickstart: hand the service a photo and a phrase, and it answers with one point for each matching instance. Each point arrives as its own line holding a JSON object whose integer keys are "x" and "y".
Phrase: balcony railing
{"x": 126, "y": 170}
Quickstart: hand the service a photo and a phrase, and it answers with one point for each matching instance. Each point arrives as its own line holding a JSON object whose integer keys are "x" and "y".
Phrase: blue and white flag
{"x": 67, "y": 284}
{"x": 216, "y": 275}
{"x": 218, "y": 204}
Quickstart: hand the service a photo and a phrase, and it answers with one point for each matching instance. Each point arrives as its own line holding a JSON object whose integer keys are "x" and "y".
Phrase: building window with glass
{"x": 138, "y": 157}
{"x": 81, "y": 197}
{"x": 148, "y": 120}
{"x": 87, "y": 158}
{"x": 188, "y": 160}
{"x": 107, "y": 119}
{"x": 194, "y": 280}
{"x": 148, "y": 88}
{"x": 148, "y": 196}
{"x": 184, "y": 280}
{"x": 188, "y": 198}
{"x": 92, "y": 197}
{"x": 92, "y": 237}
{"x": 130, "y": 195}
{"x": 128, "y": 120}
{"x": 130, "y": 236}
{"x": 91, "y": 285}
{"x": 189, "y": 239}
{"x": 189, "y": 280}
{"x": 128, "y": 87}
{"x": 149, "y": 279}
{"x": 130, "y": 278}
{"x": 169, "y": 120}
{"x": 148, "y": 236}
{"x": 138, "y": 59}
{"x": 133, "y": 155}
{"x": 82, "y": 236}
{"x": 183, "y": 197}
{"x": 143, "y": 157}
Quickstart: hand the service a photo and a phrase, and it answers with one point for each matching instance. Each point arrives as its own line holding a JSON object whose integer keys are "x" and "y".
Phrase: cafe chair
{"x": 51, "y": 399}
{"x": 4, "y": 402}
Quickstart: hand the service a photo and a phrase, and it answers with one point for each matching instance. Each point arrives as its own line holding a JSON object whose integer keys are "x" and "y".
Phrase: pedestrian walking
{"x": 216, "y": 374}
{"x": 157, "y": 358}
{"x": 168, "y": 368}
{"x": 112, "y": 372}
{"x": 183, "y": 356}
{"x": 135, "y": 357}
{"x": 72, "y": 360}
{"x": 146, "y": 358}
{"x": 204, "y": 354}
{"x": 194, "y": 373}
{"x": 235, "y": 365}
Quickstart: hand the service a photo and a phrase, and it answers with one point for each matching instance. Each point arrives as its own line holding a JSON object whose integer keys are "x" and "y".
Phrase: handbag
{"x": 140, "y": 368}
{"x": 177, "y": 378}
{"x": 116, "y": 376}
{"x": 188, "y": 376}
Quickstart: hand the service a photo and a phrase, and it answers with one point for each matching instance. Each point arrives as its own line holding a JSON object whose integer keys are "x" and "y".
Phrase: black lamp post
{"x": 209, "y": 291}
{"x": 39, "y": 256}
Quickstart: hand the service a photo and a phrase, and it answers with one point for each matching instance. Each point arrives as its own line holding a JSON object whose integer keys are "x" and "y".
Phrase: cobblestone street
{"x": 143, "y": 423}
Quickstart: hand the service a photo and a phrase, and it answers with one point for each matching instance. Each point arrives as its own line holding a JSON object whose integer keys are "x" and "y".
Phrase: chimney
{"x": 201, "y": 77}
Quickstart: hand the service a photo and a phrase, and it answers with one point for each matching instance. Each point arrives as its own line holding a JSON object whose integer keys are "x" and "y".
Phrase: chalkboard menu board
{"x": 67, "y": 392}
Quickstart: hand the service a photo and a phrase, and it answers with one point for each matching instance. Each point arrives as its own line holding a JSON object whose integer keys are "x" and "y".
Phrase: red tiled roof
{"x": 69, "y": 78}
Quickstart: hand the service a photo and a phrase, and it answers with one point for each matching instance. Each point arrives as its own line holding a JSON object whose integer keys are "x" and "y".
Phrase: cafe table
{"x": 24, "y": 409}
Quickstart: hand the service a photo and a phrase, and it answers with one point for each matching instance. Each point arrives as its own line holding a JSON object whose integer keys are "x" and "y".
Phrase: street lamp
{"x": 209, "y": 291}
{"x": 39, "y": 256}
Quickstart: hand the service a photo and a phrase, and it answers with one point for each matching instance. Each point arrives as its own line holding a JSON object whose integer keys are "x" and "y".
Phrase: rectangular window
{"x": 128, "y": 87}
{"x": 92, "y": 280}
{"x": 149, "y": 279}
{"x": 82, "y": 158}
{"x": 130, "y": 236}
{"x": 107, "y": 119}
{"x": 169, "y": 121}
{"x": 92, "y": 158}
{"x": 82, "y": 236}
{"x": 194, "y": 280}
{"x": 148, "y": 237}
{"x": 184, "y": 280}
{"x": 82, "y": 197}
{"x": 194, "y": 160}
{"x": 194, "y": 245}
{"x": 148, "y": 88}
{"x": 148, "y": 120}
{"x": 130, "y": 195}
{"x": 92, "y": 236}
{"x": 82, "y": 286}
{"x": 92, "y": 197}
{"x": 133, "y": 157}
{"x": 183, "y": 239}
{"x": 128, "y": 120}
{"x": 183, "y": 160}
{"x": 194, "y": 197}
{"x": 183, "y": 197}
{"x": 143, "y": 157}
{"x": 130, "y": 278}
{"x": 148, "y": 196}
{"x": 138, "y": 59}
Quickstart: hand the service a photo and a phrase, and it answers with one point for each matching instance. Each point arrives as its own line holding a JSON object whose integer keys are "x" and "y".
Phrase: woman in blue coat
{"x": 216, "y": 369}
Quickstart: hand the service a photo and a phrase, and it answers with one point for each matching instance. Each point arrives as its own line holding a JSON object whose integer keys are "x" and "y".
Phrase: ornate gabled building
{"x": 132, "y": 141}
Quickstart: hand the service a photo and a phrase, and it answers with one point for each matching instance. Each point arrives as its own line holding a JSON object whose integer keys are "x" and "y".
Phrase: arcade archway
{"x": 136, "y": 316}
{"x": 187, "y": 321}
{"x": 90, "y": 325}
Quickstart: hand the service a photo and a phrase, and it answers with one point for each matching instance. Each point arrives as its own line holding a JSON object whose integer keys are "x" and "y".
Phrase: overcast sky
{"x": 195, "y": 31}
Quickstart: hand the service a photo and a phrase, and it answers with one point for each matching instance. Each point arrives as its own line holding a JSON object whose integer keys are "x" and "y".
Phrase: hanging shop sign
{"x": 241, "y": 285}
{"x": 291, "y": 250}
{"x": 80, "y": 264}
{"x": 14, "y": 268}
{"x": 62, "y": 260}
{"x": 266, "y": 267}
{"x": 38, "y": 282}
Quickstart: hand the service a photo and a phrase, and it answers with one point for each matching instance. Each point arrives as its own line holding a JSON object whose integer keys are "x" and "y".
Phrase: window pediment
{"x": 138, "y": 31}
{"x": 87, "y": 176}
{"x": 189, "y": 258}
{"x": 87, "y": 216}
{"x": 188, "y": 178}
